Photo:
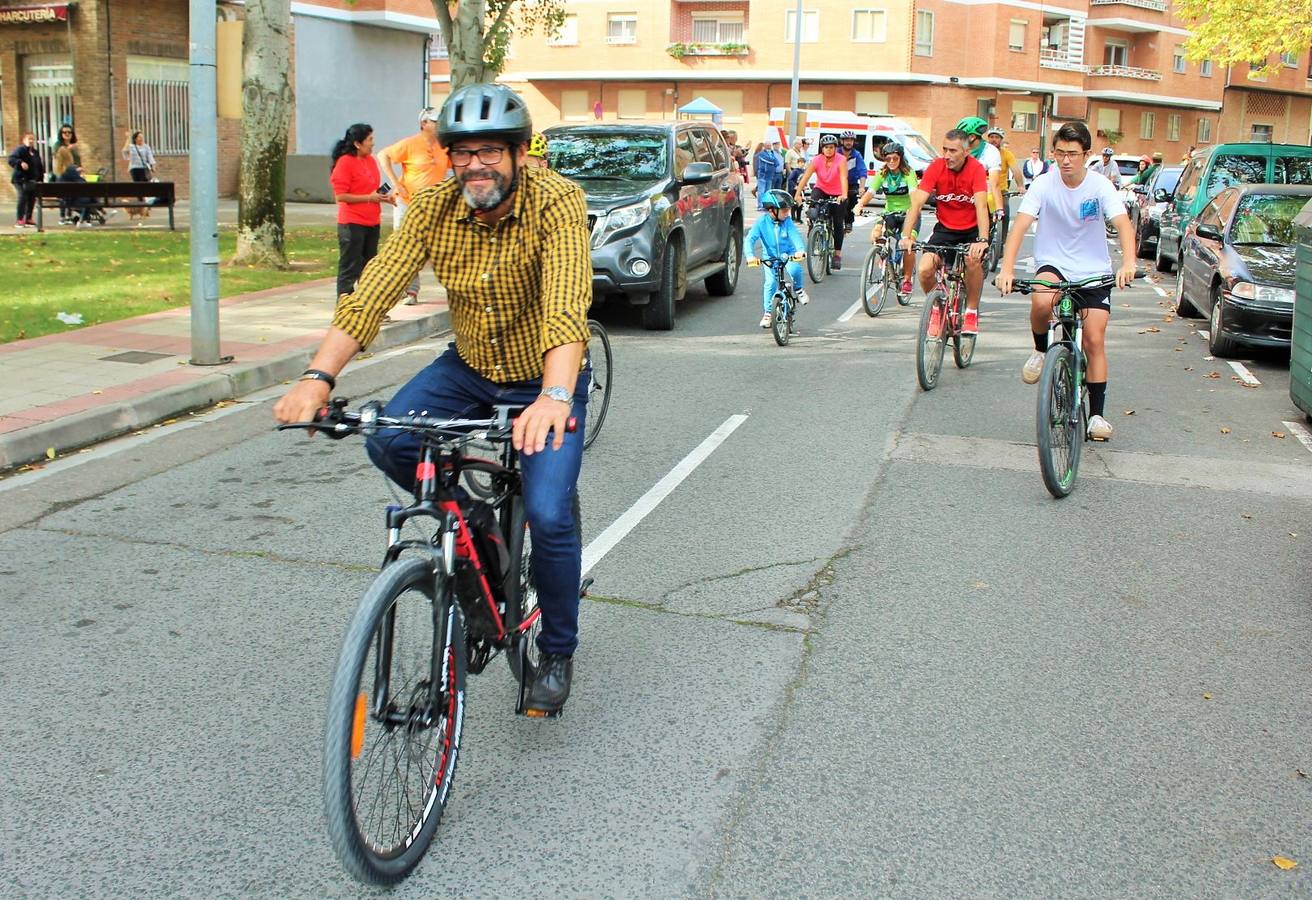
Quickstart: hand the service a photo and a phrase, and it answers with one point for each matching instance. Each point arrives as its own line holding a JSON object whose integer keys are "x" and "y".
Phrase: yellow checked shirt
{"x": 516, "y": 289}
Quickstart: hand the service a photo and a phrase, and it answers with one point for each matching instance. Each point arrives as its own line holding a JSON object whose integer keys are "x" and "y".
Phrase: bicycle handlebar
{"x": 337, "y": 422}
{"x": 1027, "y": 285}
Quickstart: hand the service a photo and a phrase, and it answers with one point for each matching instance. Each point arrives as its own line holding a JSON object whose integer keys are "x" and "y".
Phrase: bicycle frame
{"x": 950, "y": 278}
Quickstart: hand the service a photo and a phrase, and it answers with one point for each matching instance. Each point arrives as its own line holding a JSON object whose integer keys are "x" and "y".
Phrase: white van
{"x": 872, "y": 132}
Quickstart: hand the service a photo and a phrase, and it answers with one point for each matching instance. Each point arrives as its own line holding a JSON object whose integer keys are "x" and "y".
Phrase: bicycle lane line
{"x": 620, "y": 528}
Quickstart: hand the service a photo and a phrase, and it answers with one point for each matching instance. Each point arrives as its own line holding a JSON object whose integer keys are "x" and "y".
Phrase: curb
{"x": 93, "y": 425}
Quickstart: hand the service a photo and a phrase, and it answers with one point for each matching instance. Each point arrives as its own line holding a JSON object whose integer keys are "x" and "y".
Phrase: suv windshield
{"x": 1266, "y": 219}
{"x": 627, "y": 157}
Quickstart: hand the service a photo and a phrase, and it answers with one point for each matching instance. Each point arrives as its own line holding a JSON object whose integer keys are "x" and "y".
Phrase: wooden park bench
{"x": 123, "y": 194}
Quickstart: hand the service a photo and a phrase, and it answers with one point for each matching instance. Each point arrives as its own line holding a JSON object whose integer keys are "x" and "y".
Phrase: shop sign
{"x": 34, "y": 15}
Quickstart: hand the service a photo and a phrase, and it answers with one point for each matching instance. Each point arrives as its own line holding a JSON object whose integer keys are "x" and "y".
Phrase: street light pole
{"x": 204, "y": 233}
{"x": 795, "y": 129}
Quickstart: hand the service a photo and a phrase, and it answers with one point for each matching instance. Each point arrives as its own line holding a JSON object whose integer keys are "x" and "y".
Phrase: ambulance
{"x": 872, "y": 132}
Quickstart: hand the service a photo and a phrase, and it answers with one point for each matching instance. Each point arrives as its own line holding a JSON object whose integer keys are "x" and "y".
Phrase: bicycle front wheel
{"x": 932, "y": 338}
{"x": 395, "y": 715}
{"x": 779, "y": 324}
{"x": 873, "y": 273}
{"x": 1059, "y": 422}
{"x": 817, "y": 253}
{"x": 599, "y": 381}
{"x": 963, "y": 345}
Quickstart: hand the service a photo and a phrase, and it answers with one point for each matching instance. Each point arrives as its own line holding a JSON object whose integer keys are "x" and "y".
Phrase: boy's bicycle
{"x": 819, "y": 239}
{"x": 455, "y": 601}
{"x": 881, "y": 274}
{"x": 943, "y": 315}
{"x": 1062, "y": 417}
{"x": 784, "y": 308}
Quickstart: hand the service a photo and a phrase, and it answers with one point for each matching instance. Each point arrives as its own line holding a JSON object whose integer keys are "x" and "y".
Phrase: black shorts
{"x": 1088, "y": 298}
{"x": 942, "y": 235}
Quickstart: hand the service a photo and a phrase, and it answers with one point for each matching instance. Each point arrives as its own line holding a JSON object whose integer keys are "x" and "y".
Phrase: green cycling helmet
{"x": 973, "y": 125}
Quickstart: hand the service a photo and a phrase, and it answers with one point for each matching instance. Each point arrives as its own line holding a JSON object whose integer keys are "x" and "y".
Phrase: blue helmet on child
{"x": 777, "y": 199}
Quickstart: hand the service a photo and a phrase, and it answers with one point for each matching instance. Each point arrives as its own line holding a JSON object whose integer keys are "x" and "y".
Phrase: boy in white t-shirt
{"x": 1070, "y": 245}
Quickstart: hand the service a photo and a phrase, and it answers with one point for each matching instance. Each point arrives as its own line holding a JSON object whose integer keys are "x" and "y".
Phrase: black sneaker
{"x": 550, "y": 690}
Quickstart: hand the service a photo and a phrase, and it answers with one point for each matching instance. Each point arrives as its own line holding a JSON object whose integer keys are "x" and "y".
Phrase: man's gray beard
{"x": 492, "y": 199}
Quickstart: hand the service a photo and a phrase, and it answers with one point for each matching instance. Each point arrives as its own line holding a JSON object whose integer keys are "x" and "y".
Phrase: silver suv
{"x": 664, "y": 207}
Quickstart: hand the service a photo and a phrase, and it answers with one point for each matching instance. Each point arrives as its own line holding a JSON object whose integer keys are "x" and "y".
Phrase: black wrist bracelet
{"x": 319, "y": 375}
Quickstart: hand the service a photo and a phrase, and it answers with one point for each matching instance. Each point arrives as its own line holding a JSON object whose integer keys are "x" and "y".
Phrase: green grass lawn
{"x": 110, "y": 275}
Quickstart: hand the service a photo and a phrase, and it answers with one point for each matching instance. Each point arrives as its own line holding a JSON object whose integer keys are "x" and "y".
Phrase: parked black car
{"x": 1146, "y": 215}
{"x": 664, "y": 206}
{"x": 1237, "y": 266}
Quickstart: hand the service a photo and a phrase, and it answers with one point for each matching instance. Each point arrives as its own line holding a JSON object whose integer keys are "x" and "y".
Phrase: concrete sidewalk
{"x": 64, "y": 391}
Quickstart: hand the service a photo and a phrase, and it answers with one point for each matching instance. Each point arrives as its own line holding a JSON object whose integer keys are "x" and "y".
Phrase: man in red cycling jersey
{"x": 961, "y": 185}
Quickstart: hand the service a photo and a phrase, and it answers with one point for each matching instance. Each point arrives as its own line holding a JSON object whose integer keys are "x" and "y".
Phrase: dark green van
{"x": 1212, "y": 170}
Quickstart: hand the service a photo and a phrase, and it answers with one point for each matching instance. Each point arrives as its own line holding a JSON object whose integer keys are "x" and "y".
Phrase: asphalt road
{"x": 857, "y": 651}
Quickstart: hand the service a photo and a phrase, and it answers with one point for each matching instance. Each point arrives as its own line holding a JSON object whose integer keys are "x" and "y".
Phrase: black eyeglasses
{"x": 488, "y": 156}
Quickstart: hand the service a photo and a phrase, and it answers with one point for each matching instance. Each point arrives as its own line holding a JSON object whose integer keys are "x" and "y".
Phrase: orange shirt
{"x": 421, "y": 164}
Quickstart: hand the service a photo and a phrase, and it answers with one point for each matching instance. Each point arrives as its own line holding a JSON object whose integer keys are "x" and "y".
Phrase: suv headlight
{"x": 618, "y": 220}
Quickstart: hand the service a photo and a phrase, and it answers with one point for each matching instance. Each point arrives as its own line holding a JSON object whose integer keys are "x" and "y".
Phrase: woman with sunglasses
{"x": 359, "y": 191}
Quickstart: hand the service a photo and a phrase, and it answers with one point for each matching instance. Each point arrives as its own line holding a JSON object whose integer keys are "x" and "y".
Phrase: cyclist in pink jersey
{"x": 830, "y": 170}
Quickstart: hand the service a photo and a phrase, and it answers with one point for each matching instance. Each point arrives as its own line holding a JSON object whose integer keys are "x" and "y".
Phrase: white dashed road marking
{"x": 1205, "y": 335}
{"x": 1245, "y": 376}
{"x": 851, "y": 311}
{"x": 1159, "y": 290}
{"x": 1303, "y": 435}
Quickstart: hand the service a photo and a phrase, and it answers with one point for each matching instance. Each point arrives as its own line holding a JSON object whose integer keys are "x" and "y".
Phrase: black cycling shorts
{"x": 941, "y": 235}
{"x": 1087, "y": 298}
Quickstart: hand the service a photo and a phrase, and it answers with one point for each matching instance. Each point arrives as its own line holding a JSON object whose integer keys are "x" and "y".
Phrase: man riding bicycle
{"x": 830, "y": 170}
{"x": 895, "y": 181}
{"x": 856, "y": 174}
{"x": 1070, "y": 244}
{"x": 961, "y": 185}
{"x": 510, "y": 243}
{"x": 975, "y": 128}
{"x": 996, "y": 136}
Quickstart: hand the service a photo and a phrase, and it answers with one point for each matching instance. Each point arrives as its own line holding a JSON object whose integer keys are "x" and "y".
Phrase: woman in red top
{"x": 356, "y": 182}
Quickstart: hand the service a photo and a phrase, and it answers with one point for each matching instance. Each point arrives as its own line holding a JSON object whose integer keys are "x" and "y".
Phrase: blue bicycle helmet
{"x": 777, "y": 199}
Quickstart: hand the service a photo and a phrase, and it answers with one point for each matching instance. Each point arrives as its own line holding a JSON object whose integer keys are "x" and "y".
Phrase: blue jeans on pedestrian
{"x": 448, "y": 388}
{"x": 794, "y": 270}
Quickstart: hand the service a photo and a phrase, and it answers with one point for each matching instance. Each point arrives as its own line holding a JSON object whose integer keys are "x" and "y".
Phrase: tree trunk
{"x": 266, "y": 114}
{"x": 464, "y": 41}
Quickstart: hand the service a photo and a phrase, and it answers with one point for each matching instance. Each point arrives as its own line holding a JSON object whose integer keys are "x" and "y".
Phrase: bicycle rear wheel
{"x": 872, "y": 281}
{"x": 779, "y": 320}
{"x": 1059, "y": 422}
{"x": 817, "y": 253}
{"x": 930, "y": 346}
{"x": 395, "y": 715}
{"x": 599, "y": 381}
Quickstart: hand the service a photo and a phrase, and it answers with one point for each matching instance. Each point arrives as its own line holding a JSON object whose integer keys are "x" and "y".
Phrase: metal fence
{"x": 162, "y": 109}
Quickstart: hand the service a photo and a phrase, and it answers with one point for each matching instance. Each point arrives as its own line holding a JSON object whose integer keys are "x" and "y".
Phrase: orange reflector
{"x": 357, "y": 726}
{"x": 536, "y": 713}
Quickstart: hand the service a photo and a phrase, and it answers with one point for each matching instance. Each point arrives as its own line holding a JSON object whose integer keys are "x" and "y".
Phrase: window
{"x": 924, "y": 32}
{"x": 1293, "y": 170}
{"x": 1205, "y": 69}
{"x": 718, "y": 28}
{"x": 683, "y": 152}
{"x": 1025, "y": 115}
{"x": 1173, "y": 127}
{"x": 437, "y": 49}
{"x": 1177, "y": 59}
{"x": 985, "y": 108}
{"x": 810, "y": 26}
{"x": 813, "y": 99}
{"x": 159, "y": 103}
{"x": 1256, "y": 71}
{"x": 1228, "y": 171}
{"x": 632, "y": 104}
{"x": 1289, "y": 60}
{"x": 1016, "y": 35}
{"x": 622, "y": 28}
{"x": 1204, "y": 131}
{"x": 869, "y": 26}
{"x": 1109, "y": 119}
{"x": 568, "y": 36}
{"x": 574, "y": 105}
{"x": 1262, "y": 134}
{"x": 1147, "y": 124}
{"x": 871, "y": 103}
{"x": 1116, "y": 53}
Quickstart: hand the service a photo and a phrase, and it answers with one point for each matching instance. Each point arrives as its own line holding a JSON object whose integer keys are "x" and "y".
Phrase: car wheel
{"x": 1140, "y": 245}
{"x": 1163, "y": 265}
{"x": 724, "y": 283}
{"x": 1183, "y": 308}
{"x": 658, "y": 314}
{"x": 1217, "y": 343}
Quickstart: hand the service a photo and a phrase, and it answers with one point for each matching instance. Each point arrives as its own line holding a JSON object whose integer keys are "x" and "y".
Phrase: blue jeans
{"x": 794, "y": 270}
{"x": 448, "y": 388}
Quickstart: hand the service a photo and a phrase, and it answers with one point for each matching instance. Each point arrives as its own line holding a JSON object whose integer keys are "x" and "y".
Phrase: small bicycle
{"x": 943, "y": 315}
{"x": 881, "y": 274}
{"x": 461, "y": 597}
{"x": 785, "y": 303}
{"x": 1062, "y": 416}
{"x": 819, "y": 239}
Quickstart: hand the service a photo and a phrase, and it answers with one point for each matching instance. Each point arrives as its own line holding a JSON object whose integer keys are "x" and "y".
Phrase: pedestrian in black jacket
{"x": 29, "y": 171}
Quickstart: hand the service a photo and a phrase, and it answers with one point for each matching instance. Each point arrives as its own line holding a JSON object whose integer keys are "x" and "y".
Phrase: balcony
{"x": 1155, "y": 5}
{"x": 723, "y": 48}
{"x": 1126, "y": 72}
{"x": 1060, "y": 58}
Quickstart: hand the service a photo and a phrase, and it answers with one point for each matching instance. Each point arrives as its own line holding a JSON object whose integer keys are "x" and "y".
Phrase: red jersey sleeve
{"x": 929, "y": 181}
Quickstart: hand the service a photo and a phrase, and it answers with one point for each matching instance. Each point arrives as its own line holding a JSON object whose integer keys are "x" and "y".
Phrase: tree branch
{"x": 496, "y": 24}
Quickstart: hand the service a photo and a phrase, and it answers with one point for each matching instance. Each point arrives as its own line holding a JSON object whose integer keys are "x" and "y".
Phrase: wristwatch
{"x": 558, "y": 393}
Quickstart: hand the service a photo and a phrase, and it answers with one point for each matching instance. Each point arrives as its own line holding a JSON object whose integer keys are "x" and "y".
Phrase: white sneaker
{"x": 1100, "y": 429}
{"x": 802, "y": 298}
{"x": 766, "y": 320}
{"x": 1033, "y": 368}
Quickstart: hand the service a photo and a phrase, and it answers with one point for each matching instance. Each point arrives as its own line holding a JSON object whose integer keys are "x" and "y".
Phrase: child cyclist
{"x": 895, "y": 181}
{"x": 778, "y": 233}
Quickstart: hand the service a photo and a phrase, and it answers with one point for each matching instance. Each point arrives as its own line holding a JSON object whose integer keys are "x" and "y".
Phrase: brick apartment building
{"x": 106, "y": 66}
{"x": 1116, "y": 64}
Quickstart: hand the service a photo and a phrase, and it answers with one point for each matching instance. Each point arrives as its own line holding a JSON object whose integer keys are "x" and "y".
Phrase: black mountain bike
{"x": 455, "y": 601}
{"x": 943, "y": 315}
{"x": 819, "y": 239}
{"x": 784, "y": 308}
{"x": 881, "y": 274}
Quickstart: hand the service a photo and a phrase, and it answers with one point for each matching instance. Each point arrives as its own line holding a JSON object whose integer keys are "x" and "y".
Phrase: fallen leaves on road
{"x": 1151, "y": 329}
{"x": 1278, "y": 434}
{"x": 1207, "y": 696}
{"x": 1212, "y": 375}
{"x": 1178, "y": 349}
{"x": 1225, "y": 430}
{"x": 1245, "y": 515}
{"x": 1293, "y": 534}
{"x": 1129, "y": 412}
{"x": 1125, "y": 306}
{"x": 1300, "y": 773}
{"x": 1188, "y": 368}
{"x": 50, "y": 453}
{"x": 1168, "y": 319}
{"x": 1284, "y": 862}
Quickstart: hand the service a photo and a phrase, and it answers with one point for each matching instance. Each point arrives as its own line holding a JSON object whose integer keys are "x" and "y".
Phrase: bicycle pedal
{"x": 544, "y": 713}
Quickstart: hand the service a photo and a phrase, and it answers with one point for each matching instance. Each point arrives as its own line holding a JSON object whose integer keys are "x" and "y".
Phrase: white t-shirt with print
{"x": 1070, "y": 234}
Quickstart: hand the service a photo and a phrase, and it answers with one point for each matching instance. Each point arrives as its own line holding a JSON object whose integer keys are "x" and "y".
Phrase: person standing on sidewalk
{"x": 423, "y": 164}
{"x": 141, "y": 166}
{"x": 356, "y": 181}
{"x": 29, "y": 171}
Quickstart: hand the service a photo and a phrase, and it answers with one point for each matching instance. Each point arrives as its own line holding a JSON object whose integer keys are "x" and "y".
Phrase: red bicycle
{"x": 943, "y": 315}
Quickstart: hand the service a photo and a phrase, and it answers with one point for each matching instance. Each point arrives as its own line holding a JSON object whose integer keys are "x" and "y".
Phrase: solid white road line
{"x": 1242, "y": 371}
{"x": 851, "y": 311}
{"x": 1160, "y": 291}
{"x": 1304, "y": 436}
{"x": 617, "y": 530}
